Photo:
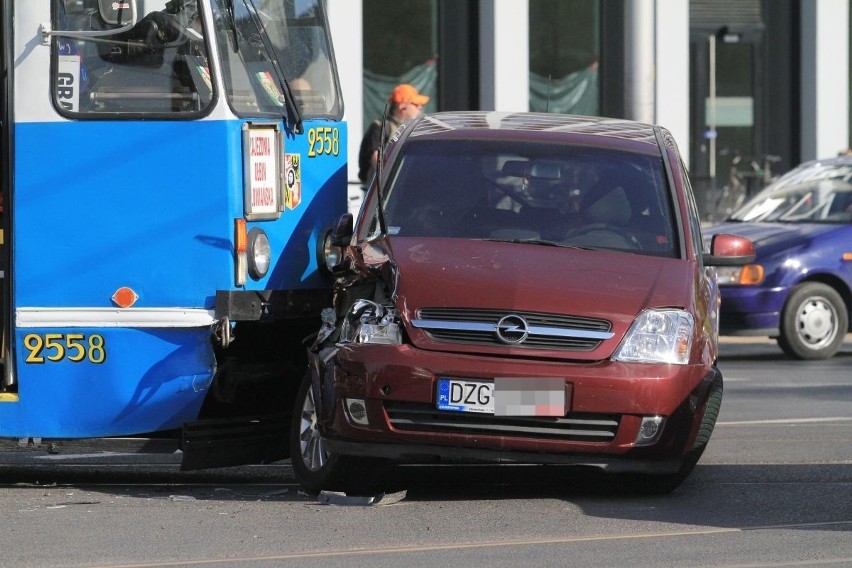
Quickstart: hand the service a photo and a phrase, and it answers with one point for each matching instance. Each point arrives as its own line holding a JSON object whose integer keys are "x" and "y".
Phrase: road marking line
{"x": 498, "y": 544}
{"x": 798, "y": 525}
{"x": 824, "y": 562}
{"x": 427, "y": 548}
{"x": 792, "y": 385}
{"x": 786, "y": 421}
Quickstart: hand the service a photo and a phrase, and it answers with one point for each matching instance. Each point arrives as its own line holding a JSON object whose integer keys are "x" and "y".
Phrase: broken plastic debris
{"x": 182, "y": 498}
{"x": 327, "y": 315}
{"x": 340, "y": 498}
{"x": 327, "y": 354}
{"x": 391, "y": 498}
{"x": 328, "y": 319}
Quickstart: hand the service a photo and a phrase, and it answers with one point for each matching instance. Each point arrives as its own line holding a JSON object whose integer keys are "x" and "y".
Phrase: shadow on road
{"x": 722, "y": 496}
{"x": 726, "y": 496}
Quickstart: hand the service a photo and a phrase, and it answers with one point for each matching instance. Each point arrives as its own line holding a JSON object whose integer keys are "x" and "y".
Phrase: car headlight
{"x": 370, "y": 323}
{"x": 259, "y": 253}
{"x": 748, "y": 275}
{"x": 658, "y": 336}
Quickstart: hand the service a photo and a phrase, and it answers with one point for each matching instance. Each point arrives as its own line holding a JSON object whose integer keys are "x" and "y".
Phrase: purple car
{"x": 798, "y": 289}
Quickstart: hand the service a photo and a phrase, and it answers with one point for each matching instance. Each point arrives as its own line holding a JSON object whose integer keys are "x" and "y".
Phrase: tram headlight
{"x": 259, "y": 253}
{"x": 331, "y": 248}
{"x": 330, "y": 255}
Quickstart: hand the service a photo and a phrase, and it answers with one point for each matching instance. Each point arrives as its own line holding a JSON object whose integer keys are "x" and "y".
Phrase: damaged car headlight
{"x": 658, "y": 336}
{"x": 371, "y": 323}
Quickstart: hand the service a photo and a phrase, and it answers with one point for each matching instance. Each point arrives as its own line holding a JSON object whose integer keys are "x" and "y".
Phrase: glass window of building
{"x": 400, "y": 46}
{"x": 564, "y": 52}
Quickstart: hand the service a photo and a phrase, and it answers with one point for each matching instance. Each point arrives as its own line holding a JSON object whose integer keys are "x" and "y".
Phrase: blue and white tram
{"x": 167, "y": 170}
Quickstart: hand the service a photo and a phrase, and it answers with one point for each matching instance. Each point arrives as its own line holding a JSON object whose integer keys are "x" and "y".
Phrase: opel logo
{"x": 512, "y": 329}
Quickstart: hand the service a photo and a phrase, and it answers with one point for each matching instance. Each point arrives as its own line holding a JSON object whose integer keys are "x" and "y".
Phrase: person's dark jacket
{"x": 370, "y": 143}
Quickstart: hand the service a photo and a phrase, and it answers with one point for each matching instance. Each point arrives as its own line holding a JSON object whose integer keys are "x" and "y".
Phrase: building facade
{"x": 747, "y": 87}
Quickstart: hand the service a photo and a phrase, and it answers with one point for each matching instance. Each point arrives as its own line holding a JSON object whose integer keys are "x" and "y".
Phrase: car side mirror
{"x": 729, "y": 250}
{"x": 341, "y": 232}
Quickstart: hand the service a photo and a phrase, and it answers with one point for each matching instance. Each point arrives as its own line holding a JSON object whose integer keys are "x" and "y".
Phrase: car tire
{"x": 814, "y": 322}
{"x": 315, "y": 467}
{"x": 648, "y": 484}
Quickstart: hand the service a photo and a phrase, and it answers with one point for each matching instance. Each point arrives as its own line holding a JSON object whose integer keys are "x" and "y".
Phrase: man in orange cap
{"x": 405, "y": 103}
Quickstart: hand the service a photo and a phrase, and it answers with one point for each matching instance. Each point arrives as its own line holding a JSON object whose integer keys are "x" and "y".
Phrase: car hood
{"x": 770, "y": 237}
{"x": 518, "y": 277}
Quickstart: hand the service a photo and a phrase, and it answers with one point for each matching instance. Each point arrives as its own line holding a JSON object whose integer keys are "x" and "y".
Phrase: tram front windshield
{"x": 276, "y": 58}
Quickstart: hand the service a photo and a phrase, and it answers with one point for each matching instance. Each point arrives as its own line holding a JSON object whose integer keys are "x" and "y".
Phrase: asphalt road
{"x": 773, "y": 489}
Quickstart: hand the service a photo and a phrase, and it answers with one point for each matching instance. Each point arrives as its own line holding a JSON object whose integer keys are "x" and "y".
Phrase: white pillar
{"x": 672, "y": 71}
{"x": 825, "y": 78}
{"x": 504, "y": 55}
{"x": 347, "y": 30}
{"x": 639, "y": 60}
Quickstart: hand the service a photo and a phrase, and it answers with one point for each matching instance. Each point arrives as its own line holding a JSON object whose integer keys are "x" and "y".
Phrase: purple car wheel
{"x": 814, "y": 322}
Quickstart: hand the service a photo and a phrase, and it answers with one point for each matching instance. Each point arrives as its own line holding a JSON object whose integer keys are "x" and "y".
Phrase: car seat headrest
{"x": 613, "y": 208}
{"x": 116, "y": 12}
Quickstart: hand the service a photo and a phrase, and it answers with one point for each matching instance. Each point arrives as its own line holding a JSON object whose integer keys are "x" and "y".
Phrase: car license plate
{"x": 462, "y": 395}
{"x": 505, "y": 396}
{"x": 530, "y": 396}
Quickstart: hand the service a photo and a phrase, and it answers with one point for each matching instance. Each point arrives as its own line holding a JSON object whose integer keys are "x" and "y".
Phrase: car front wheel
{"x": 315, "y": 466}
{"x": 648, "y": 484}
{"x": 814, "y": 322}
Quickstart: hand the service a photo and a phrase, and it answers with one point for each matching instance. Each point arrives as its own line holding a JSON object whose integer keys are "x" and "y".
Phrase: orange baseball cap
{"x": 406, "y": 93}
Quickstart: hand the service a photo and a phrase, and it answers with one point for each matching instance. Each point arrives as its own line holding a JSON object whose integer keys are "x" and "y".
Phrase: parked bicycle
{"x": 742, "y": 184}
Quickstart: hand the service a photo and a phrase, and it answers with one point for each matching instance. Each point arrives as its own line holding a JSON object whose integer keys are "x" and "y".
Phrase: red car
{"x": 526, "y": 288}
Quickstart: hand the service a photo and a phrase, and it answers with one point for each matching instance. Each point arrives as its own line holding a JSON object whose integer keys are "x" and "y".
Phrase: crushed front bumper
{"x": 398, "y": 385}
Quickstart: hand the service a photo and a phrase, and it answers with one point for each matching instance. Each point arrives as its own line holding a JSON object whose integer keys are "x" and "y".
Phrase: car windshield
{"x": 537, "y": 193}
{"x": 817, "y": 193}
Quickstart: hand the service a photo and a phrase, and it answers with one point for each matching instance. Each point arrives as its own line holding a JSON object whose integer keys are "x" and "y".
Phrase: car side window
{"x": 694, "y": 218}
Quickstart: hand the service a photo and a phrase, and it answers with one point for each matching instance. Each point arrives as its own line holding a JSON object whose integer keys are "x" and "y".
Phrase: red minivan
{"x": 518, "y": 287}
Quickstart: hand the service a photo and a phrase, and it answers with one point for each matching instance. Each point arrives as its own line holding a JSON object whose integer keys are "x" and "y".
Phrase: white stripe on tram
{"x": 114, "y": 317}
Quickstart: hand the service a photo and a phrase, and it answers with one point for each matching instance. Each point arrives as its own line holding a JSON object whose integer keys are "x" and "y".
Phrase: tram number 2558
{"x": 324, "y": 140}
{"x": 55, "y": 347}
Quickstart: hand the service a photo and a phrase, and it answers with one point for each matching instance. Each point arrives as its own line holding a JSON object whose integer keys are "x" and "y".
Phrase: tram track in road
{"x": 476, "y": 514}
{"x": 363, "y": 555}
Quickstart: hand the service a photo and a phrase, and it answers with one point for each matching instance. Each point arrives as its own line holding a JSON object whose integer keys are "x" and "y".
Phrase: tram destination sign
{"x": 262, "y": 150}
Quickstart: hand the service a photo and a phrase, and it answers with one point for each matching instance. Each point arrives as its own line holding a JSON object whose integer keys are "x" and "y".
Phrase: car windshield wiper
{"x": 541, "y": 242}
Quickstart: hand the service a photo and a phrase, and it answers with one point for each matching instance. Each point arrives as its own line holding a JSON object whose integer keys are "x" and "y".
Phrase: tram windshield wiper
{"x": 289, "y": 101}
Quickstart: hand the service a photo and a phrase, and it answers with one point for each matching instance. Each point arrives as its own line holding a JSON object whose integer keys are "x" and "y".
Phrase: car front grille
{"x": 480, "y": 327}
{"x": 573, "y": 427}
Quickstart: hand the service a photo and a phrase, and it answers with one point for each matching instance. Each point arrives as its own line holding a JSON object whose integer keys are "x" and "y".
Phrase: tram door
{"x": 727, "y": 123}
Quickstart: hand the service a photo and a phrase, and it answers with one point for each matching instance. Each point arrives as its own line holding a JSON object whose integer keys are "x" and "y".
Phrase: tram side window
{"x": 103, "y": 66}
